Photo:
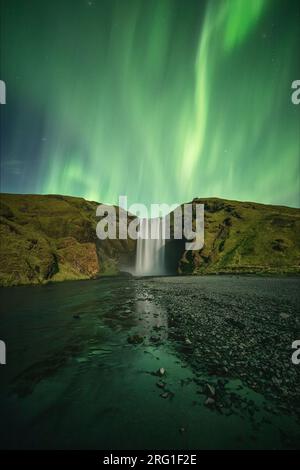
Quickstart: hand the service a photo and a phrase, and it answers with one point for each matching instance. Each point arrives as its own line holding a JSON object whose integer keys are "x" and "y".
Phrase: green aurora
{"x": 159, "y": 100}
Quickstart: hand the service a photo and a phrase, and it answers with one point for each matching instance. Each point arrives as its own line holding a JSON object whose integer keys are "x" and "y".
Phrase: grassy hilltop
{"x": 53, "y": 238}
{"x": 246, "y": 237}
{"x": 45, "y": 238}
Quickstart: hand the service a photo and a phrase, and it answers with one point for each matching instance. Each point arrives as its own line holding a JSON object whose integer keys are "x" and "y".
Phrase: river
{"x": 74, "y": 378}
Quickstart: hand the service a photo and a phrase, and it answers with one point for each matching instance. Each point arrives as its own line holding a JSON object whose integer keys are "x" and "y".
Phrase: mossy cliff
{"x": 245, "y": 237}
{"x": 53, "y": 238}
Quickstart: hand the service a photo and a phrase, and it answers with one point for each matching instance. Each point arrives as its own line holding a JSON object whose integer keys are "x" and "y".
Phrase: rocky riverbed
{"x": 236, "y": 328}
{"x": 156, "y": 363}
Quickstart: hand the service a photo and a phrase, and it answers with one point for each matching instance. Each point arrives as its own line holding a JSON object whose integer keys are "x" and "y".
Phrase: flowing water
{"x": 150, "y": 248}
{"x": 73, "y": 380}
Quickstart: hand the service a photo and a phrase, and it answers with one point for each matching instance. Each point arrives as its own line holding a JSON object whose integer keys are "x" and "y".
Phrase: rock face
{"x": 53, "y": 238}
{"x": 245, "y": 237}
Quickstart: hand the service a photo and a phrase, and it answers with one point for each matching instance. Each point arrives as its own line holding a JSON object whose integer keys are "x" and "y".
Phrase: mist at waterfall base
{"x": 150, "y": 254}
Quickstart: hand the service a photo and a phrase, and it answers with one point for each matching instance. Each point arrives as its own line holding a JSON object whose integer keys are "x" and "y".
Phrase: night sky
{"x": 160, "y": 100}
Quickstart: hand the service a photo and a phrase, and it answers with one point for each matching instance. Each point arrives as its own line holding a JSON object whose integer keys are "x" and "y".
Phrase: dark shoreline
{"x": 128, "y": 276}
{"x": 245, "y": 335}
{"x": 224, "y": 343}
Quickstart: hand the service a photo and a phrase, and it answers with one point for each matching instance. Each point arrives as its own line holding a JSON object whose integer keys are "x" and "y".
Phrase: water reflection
{"x": 86, "y": 330}
{"x": 74, "y": 381}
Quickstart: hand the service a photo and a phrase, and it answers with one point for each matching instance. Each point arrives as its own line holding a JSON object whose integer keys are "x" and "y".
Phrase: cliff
{"x": 245, "y": 237}
{"x": 53, "y": 238}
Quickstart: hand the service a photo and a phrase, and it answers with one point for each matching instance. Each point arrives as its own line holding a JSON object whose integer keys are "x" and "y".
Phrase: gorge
{"x": 53, "y": 238}
{"x": 202, "y": 351}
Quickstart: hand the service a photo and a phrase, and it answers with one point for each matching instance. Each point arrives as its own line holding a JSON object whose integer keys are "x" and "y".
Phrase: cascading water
{"x": 150, "y": 256}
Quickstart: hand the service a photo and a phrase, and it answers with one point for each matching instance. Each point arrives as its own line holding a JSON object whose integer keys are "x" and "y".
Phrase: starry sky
{"x": 159, "y": 100}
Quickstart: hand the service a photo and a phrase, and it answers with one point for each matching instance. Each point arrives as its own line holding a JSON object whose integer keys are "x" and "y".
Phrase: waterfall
{"x": 150, "y": 248}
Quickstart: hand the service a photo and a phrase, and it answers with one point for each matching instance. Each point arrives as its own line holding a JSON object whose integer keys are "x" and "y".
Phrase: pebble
{"x": 161, "y": 371}
{"x": 209, "y": 401}
{"x": 160, "y": 384}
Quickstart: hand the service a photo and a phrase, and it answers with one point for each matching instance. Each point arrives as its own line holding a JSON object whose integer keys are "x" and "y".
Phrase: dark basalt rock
{"x": 135, "y": 339}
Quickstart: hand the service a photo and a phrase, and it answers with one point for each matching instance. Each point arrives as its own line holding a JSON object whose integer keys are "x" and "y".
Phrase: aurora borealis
{"x": 159, "y": 100}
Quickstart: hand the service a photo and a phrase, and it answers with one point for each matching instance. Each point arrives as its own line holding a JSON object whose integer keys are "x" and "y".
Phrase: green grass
{"x": 53, "y": 238}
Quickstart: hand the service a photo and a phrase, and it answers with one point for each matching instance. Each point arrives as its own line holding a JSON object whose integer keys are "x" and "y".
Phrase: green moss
{"x": 53, "y": 238}
{"x": 246, "y": 238}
